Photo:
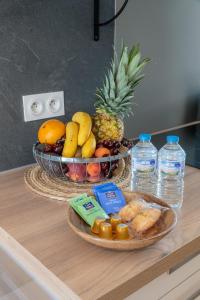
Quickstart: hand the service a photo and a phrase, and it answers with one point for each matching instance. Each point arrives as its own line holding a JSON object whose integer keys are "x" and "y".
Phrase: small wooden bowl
{"x": 168, "y": 222}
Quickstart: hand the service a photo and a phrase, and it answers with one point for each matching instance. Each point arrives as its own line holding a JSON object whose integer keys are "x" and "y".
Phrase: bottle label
{"x": 172, "y": 168}
{"x": 144, "y": 165}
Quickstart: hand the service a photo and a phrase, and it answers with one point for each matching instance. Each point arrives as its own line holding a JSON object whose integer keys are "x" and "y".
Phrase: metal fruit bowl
{"x": 79, "y": 170}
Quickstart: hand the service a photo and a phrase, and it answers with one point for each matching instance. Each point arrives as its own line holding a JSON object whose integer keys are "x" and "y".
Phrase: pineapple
{"x": 114, "y": 99}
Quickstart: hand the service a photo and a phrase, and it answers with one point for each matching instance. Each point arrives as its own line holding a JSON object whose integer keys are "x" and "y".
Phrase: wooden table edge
{"x": 164, "y": 265}
{"x": 49, "y": 281}
{"x": 42, "y": 274}
{"x": 34, "y": 268}
{"x": 15, "y": 170}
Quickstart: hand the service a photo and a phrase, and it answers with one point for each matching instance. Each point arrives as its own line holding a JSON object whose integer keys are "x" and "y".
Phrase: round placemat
{"x": 54, "y": 188}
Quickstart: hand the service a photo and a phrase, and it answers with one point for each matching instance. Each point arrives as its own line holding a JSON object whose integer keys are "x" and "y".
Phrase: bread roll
{"x": 145, "y": 219}
{"x": 128, "y": 212}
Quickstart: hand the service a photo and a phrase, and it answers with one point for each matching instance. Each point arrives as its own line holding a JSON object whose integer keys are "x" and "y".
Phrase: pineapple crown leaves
{"x": 115, "y": 97}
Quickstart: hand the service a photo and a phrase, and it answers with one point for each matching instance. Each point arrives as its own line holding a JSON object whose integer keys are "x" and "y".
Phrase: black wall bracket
{"x": 97, "y": 24}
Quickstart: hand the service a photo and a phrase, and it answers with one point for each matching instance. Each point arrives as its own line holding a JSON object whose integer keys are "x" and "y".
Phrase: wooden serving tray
{"x": 166, "y": 224}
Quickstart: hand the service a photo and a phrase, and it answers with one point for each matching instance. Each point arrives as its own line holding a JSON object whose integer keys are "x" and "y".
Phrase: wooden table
{"x": 39, "y": 225}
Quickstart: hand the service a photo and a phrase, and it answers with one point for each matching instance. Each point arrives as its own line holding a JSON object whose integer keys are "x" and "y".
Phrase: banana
{"x": 89, "y": 147}
{"x": 85, "y": 122}
{"x": 71, "y": 141}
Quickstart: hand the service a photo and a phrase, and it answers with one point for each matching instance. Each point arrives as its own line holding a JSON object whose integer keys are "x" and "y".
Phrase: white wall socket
{"x": 42, "y": 106}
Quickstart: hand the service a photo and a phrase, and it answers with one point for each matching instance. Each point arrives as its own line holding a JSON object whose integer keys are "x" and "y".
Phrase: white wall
{"x": 169, "y": 33}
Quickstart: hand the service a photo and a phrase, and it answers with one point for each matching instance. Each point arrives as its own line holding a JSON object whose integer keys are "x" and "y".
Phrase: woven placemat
{"x": 57, "y": 189}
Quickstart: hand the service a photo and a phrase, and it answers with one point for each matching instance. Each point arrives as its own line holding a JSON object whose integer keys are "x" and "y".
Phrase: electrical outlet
{"x": 43, "y": 106}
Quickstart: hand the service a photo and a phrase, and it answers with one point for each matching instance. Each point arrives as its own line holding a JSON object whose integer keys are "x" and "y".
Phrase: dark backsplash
{"x": 47, "y": 45}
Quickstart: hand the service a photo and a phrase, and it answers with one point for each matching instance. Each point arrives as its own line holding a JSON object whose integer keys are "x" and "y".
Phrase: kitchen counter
{"x": 39, "y": 226}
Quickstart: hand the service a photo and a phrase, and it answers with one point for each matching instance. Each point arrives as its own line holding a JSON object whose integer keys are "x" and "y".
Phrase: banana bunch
{"x": 79, "y": 136}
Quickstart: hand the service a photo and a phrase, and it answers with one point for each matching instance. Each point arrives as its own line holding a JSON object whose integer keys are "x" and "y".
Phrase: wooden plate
{"x": 166, "y": 224}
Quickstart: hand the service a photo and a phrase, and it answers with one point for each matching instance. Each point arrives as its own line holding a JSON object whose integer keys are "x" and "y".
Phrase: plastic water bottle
{"x": 171, "y": 165}
{"x": 144, "y": 162}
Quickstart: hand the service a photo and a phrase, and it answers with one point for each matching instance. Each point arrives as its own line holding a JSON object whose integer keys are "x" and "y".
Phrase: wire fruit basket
{"x": 79, "y": 170}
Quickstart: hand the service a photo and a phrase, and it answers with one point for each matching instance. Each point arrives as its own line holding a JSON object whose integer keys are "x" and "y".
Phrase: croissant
{"x": 145, "y": 219}
{"x": 128, "y": 212}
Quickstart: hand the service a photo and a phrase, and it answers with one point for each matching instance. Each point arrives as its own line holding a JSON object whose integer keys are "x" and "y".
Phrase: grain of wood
{"x": 40, "y": 226}
{"x": 168, "y": 222}
{"x": 36, "y": 273}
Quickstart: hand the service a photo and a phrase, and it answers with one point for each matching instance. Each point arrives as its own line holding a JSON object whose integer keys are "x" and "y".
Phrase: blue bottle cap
{"x": 172, "y": 139}
{"x": 145, "y": 137}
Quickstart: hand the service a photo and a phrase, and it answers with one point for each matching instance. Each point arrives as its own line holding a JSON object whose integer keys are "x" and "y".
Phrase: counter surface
{"x": 40, "y": 226}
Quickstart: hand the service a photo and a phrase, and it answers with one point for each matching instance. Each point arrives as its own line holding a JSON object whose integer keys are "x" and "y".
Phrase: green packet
{"x": 88, "y": 208}
{"x": 78, "y": 198}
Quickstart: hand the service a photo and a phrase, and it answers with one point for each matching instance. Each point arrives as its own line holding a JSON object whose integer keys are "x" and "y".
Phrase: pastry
{"x": 145, "y": 219}
{"x": 128, "y": 212}
{"x": 138, "y": 204}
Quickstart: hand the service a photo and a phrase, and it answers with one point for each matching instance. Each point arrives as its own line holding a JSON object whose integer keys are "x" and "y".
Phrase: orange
{"x": 51, "y": 131}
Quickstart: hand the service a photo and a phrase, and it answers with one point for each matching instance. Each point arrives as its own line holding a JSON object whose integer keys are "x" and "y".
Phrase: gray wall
{"x": 169, "y": 33}
{"x": 47, "y": 45}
